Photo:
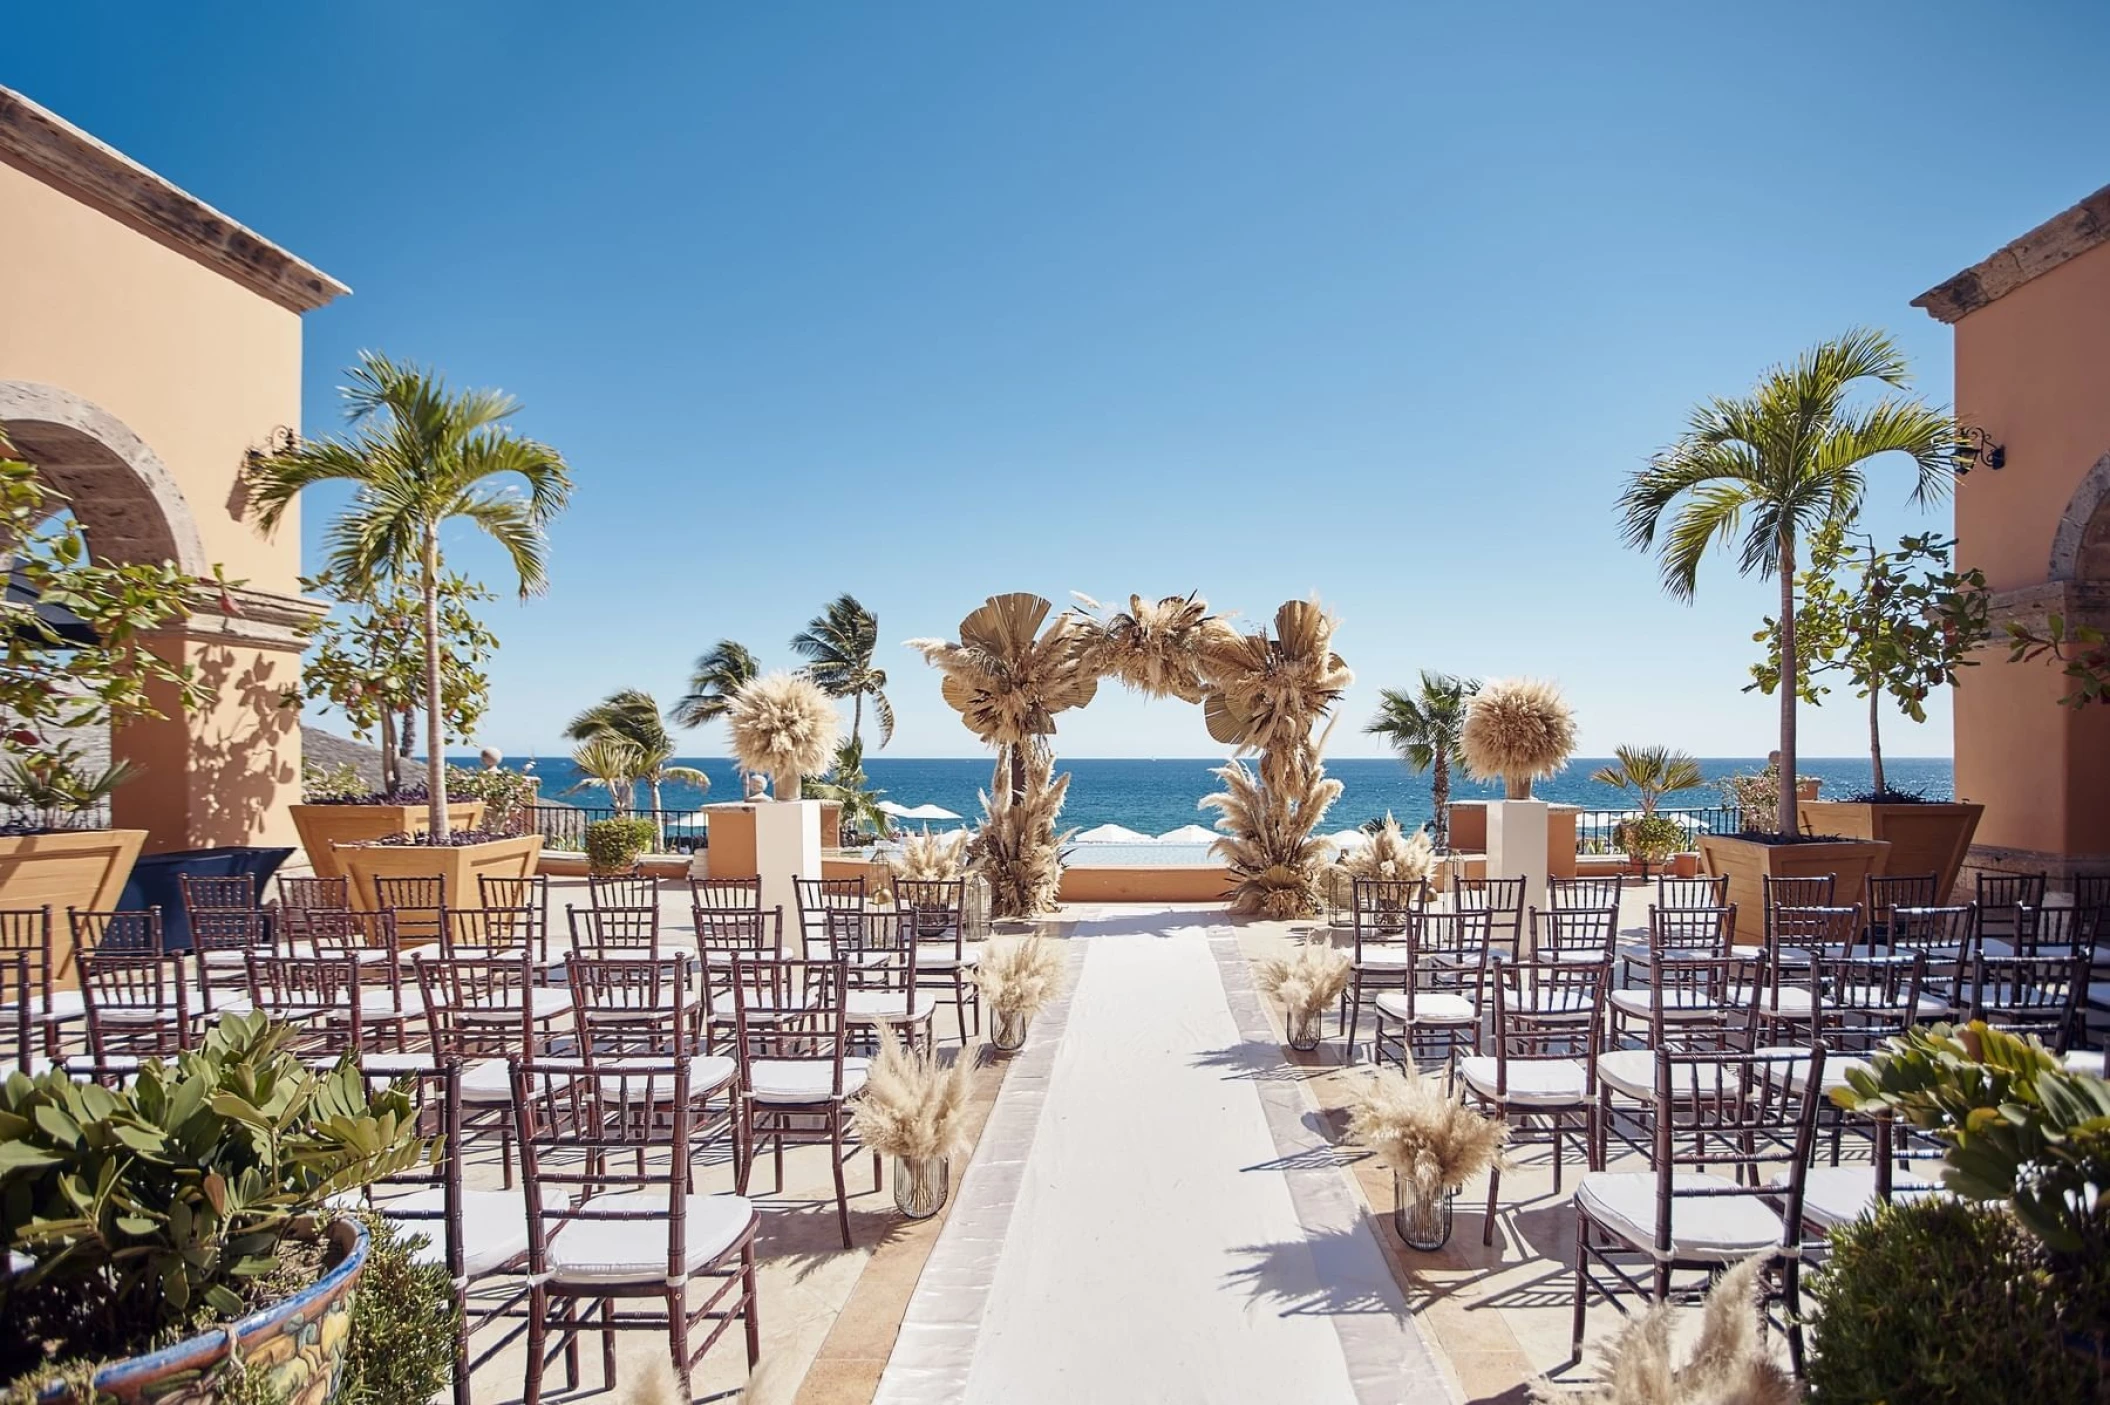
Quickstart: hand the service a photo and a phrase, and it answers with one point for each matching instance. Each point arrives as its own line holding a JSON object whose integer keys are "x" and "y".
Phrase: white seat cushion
{"x": 1677, "y": 1004}
{"x": 494, "y": 1225}
{"x": 1837, "y": 1195}
{"x": 544, "y": 1003}
{"x": 488, "y": 1082}
{"x": 1632, "y": 1073}
{"x": 1793, "y": 1001}
{"x": 1796, "y": 1066}
{"x": 1431, "y": 1007}
{"x": 2085, "y": 1061}
{"x": 1713, "y": 1228}
{"x": 707, "y": 1074}
{"x": 1382, "y": 958}
{"x": 796, "y": 1081}
{"x": 885, "y": 1007}
{"x": 1532, "y": 1082}
{"x": 65, "y": 1005}
{"x": 933, "y": 957}
{"x": 391, "y": 1064}
{"x": 597, "y": 1251}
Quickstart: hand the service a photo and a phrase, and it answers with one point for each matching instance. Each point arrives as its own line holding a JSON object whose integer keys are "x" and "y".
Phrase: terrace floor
{"x": 1162, "y": 1206}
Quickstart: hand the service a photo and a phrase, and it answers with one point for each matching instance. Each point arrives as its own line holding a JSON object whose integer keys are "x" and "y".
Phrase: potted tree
{"x": 1897, "y": 625}
{"x": 75, "y": 658}
{"x": 359, "y": 667}
{"x": 1762, "y": 472}
{"x": 1650, "y": 772}
{"x": 419, "y": 456}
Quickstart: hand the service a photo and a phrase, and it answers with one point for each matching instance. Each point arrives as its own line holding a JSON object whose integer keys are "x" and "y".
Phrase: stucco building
{"x": 2032, "y": 326}
{"x": 148, "y": 343}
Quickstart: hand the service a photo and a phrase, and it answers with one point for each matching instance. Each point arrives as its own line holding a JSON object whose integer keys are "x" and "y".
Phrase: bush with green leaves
{"x": 506, "y": 795}
{"x": 401, "y": 1350}
{"x": 1940, "y": 1301}
{"x": 1649, "y": 839}
{"x": 614, "y": 846}
{"x": 2016, "y": 1124}
{"x": 164, "y": 1206}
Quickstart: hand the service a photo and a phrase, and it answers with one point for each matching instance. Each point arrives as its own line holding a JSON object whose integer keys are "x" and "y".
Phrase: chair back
{"x": 726, "y": 894}
{"x": 622, "y": 890}
{"x": 1382, "y": 908}
{"x": 138, "y": 1003}
{"x": 479, "y": 1007}
{"x": 337, "y": 931}
{"x": 1500, "y": 905}
{"x": 405, "y": 1195}
{"x": 2052, "y": 931}
{"x": 632, "y": 1008}
{"x": 318, "y": 995}
{"x": 228, "y": 929}
{"x": 494, "y": 931}
{"x": 789, "y": 1011}
{"x": 1445, "y": 956}
{"x": 116, "y": 931}
{"x": 1546, "y": 1011}
{"x": 1737, "y": 1115}
{"x": 1814, "y": 932}
{"x": 614, "y": 931}
{"x": 1863, "y": 1000}
{"x": 532, "y": 891}
{"x": 1674, "y": 892}
{"x": 18, "y": 1050}
{"x": 2039, "y": 996}
{"x": 1800, "y": 890}
{"x": 1574, "y": 933}
{"x": 218, "y": 893}
{"x": 1701, "y": 1000}
{"x": 27, "y": 931}
{"x": 936, "y": 907}
{"x": 818, "y": 897}
{"x": 1887, "y": 892}
{"x": 416, "y": 903}
{"x": 2010, "y": 890}
{"x": 1693, "y": 931}
{"x": 1586, "y": 894}
{"x": 878, "y": 947}
{"x": 298, "y": 896}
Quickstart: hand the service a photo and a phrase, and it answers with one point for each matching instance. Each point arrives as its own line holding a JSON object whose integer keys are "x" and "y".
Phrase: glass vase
{"x": 1301, "y": 1027}
{"x": 1007, "y": 1029}
{"x": 1421, "y": 1224}
{"x": 921, "y": 1184}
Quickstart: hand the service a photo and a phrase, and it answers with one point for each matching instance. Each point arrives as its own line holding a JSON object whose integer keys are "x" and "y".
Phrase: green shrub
{"x": 1650, "y": 839}
{"x": 1935, "y": 1300}
{"x": 614, "y": 846}
{"x": 162, "y": 1207}
{"x": 403, "y": 1323}
{"x": 506, "y": 795}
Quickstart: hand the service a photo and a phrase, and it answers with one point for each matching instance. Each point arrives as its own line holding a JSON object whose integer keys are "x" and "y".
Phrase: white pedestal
{"x": 787, "y": 846}
{"x": 1516, "y": 848}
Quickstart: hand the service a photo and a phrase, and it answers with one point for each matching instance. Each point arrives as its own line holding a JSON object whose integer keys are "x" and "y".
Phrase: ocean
{"x": 1155, "y": 796}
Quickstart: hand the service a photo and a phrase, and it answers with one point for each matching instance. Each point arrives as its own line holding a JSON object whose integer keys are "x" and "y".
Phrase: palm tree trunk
{"x": 659, "y": 820}
{"x": 857, "y": 715}
{"x": 1440, "y": 797}
{"x": 1875, "y": 737}
{"x": 435, "y": 752}
{"x": 1790, "y": 678}
{"x": 388, "y": 751}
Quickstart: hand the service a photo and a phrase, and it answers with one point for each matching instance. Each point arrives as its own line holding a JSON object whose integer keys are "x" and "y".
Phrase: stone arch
{"x": 2080, "y": 548}
{"x": 124, "y": 497}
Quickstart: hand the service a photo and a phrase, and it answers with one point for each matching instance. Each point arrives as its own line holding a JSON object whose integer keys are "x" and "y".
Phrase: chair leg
{"x": 608, "y": 1343}
{"x": 461, "y": 1350}
{"x": 678, "y": 1340}
{"x": 752, "y": 1307}
{"x": 1557, "y": 1139}
{"x": 842, "y": 1190}
{"x": 1355, "y": 1013}
{"x": 1494, "y": 1188}
{"x": 1582, "y": 1288}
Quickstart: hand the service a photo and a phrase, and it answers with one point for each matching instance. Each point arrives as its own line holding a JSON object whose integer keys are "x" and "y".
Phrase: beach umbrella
{"x": 1347, "y": 839}
{"x": 1189, "y": 834}
{"x": 1112, "y": 834}
{"x": 926, "y": 812}
{"x": 893, "y": 810}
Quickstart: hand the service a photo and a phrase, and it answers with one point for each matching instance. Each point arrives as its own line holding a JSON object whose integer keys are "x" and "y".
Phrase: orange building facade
{"x": 2032, "y": 328}
{"x": 147, "y": 344}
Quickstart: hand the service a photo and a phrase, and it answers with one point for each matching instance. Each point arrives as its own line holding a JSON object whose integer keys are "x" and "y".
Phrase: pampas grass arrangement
{"x": 1154, "y": 648}
{"x": 1018, "y": 850}
{"x": 1306, "y": 981}
{"x": 1430, "y": 1139}
{"x": 930, "y": 858}
{"x": 1017, "y": 976}
{"x": 1729, "y": 1363}
{"x": 783, "y": 725}
{"x": 913, "y": 1106}
{"x": 1269, "y": 842}
{"x": 1518, "y": 729}
{"x": 1392, "y": 853}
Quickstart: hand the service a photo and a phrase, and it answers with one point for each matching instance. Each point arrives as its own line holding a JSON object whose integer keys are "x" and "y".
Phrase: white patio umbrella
{"x": 1347, "y": 839}
{"x": 1189, "y": 834}
{"x": 1112, "y": 834}
{"x": 926, "y": 812}
{"x": 889, "y": 808}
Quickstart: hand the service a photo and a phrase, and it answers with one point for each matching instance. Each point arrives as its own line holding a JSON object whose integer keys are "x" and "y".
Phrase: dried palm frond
{"x": 1430, "y": 1138}
{"x": 1389, "y": 853}
{"x": 1729, "y": 1364}
{"x": 1307, "y": 980}
{"x": 930, "y": 858}
{"x": 1518, "y": 729}
{"x": 1153, "y": 647}
{"x": 1017, "y": 850}
{"x": 1268, "y": 842}
{"x": 1018, "y": 975}
{"x": 913, "y": 1106}
{"x": 1264, "y": 691}
{"x": 784, "y": 725}
{"x": 1006, "y": 678}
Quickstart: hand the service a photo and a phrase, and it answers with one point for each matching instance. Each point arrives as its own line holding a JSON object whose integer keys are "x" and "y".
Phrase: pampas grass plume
{"x": 1429, "y": 1137}
{"x": 1019, "y": 974}
{"x": 1729, "y": 1364}
{"x": 784, "y": 725}
{"x": 1392, "y": 854}
{"x": 913, "y": 1106}
{"x": 1309, "y": 979}
{"x": 931, "y": 858}
{"x": 1519, "y": 730}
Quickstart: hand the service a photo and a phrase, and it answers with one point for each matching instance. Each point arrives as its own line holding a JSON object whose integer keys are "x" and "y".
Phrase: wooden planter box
{"x": 1747, "y": 861}
{"x": 461, "y": 865}
{"x": 83, "y": 868}
{"x": 323, "y": 827}
{"x": 1923, "y": 838}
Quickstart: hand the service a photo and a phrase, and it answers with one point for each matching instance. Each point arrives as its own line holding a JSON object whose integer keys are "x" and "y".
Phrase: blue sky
{"x": 926, "y": 302}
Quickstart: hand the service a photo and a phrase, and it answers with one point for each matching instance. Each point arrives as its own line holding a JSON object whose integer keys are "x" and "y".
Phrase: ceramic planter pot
{"x": 1931, "y": 838}
{"x": 921, "y": 1185}
{"x": 324, "y": 827}
{"x": 298, "y": 1345}
{"x": 1748, "y": 862}
{"x": 83, "y": 868}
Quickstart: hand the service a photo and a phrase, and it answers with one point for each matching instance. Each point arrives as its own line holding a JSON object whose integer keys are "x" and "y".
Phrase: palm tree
{"x": 848, "y": 786}
{"x": 1762, "y": 470}
{"x": 1424, "y": 729}
{"x": 418, "y": 456}
{"x": 605, "y": 761}
{"x": 631, "y": 715}
{"x": 718, "y": 675}
{"x": 838, "y": 645}
{"x": 1651, "y": 772}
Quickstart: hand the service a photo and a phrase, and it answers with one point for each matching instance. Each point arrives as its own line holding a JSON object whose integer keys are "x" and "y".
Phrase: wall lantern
{"x": 1975, "y": 447}
{"x": 283, "y": 440}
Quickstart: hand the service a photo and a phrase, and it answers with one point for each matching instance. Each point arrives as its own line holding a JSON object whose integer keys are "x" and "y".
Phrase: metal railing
{"x": 564, "y": 826}
{"x": 1596, "y": 830}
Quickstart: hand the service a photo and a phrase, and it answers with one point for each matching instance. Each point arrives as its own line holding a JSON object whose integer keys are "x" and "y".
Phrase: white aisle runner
{"x": 1153, "y": 1218}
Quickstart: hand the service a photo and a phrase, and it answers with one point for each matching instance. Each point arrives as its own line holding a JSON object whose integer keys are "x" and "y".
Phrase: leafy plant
{"x": 614, "y": 846}
{"x": 2018, "y": 1126}
{"x": 1756, "y": 797}
{"x": 359, "y": 661}
{"x": 1939, "y": 1301}
{"x": 420, "y": 455}
{"x": 49, "y": 683}
{"x": 54, "y": 790}
{"x": 1650, "y": 839}
{"x": 140, "y": 1208}
{"x": 2079, "y": 649}
{"x": 1897, "y": 624}
{"x": 1764, "y": 470}
{"x": 507, "y": 795}
{"x": 1426, "y": 729}
{"x": 848, "y": 786}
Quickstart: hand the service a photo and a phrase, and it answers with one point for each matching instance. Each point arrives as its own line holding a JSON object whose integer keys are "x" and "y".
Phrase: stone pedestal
{"x": 787, "y": 847}
{"x": 1516, "y": 848}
